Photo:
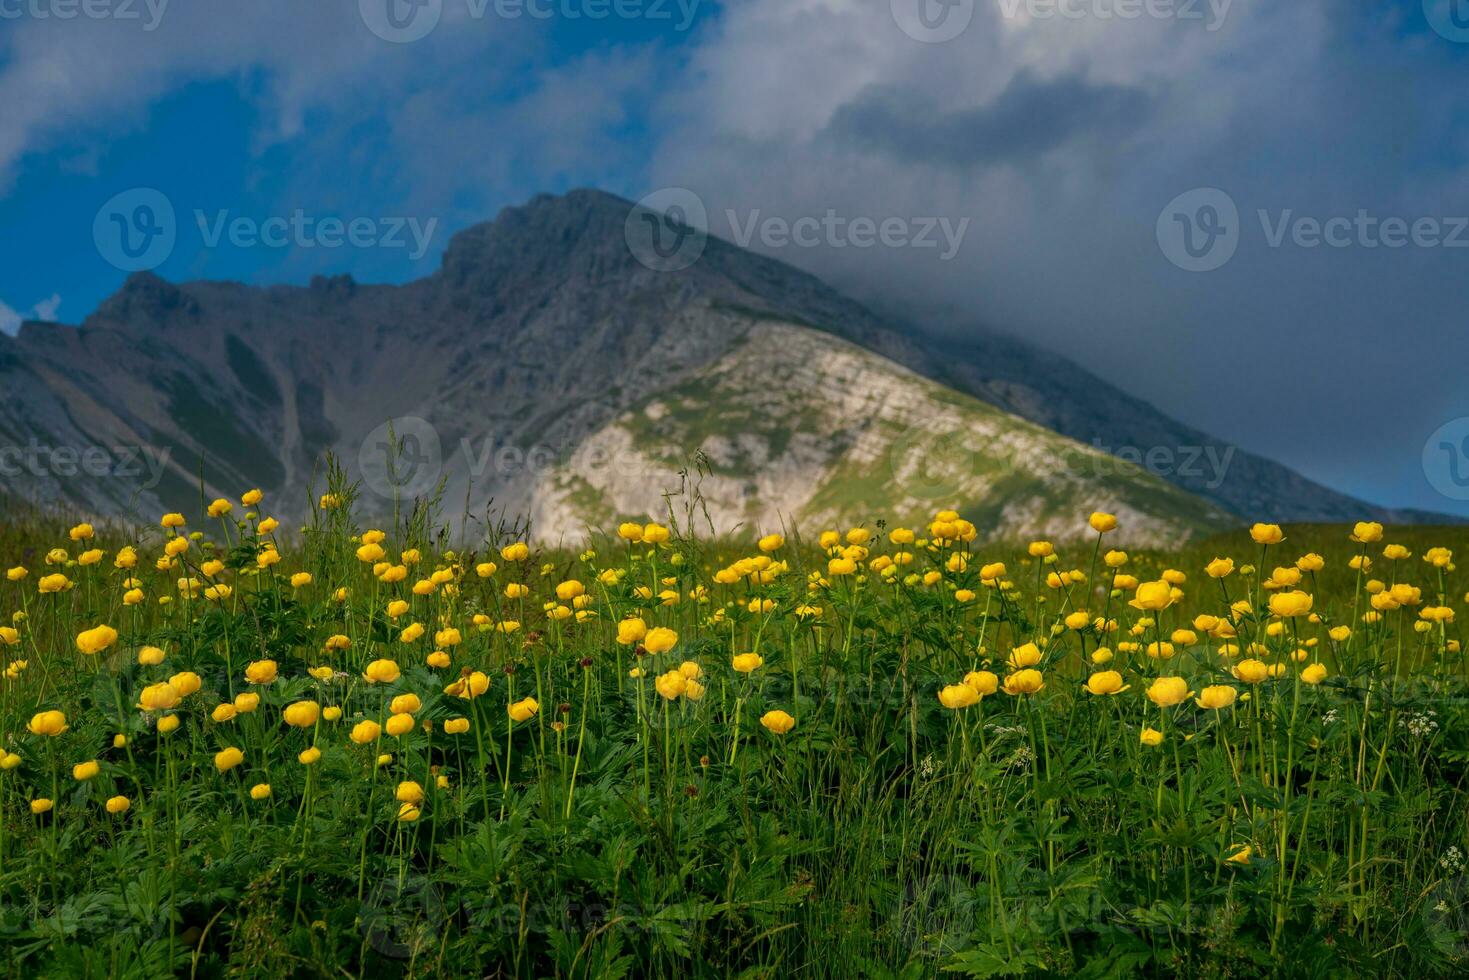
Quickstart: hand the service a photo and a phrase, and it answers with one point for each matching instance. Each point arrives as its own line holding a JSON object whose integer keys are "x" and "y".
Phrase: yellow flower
{"x": 1216, "y": 696}
{"x": 405, "y": 704}
{"x": 1244, "y": 853}
{"x": 469, "y": 686}
{"x": 300, "y": 580}
{"x": 1024, "y": 682}
{"x": 260, "y": 671}
{"x": 746, "y": 663}
{"x": 407, "y": 813}
{"x": 82, "y": 532}
{"x": 1106, "y": 682}
{"x": 660, "y": 639}
{"x": 260, "y": 791}
{"x": 96, "y": 639}
{"x": 16, "y": 574}
{"x": 777, "y": 721}
{"x": 982, "y": 681}
{"x": 1027, "y": 655}
{"x": 1288, "y": 605}
{"x": 1250, "y": 671}
{"x": 840, "y": 566}
{"x": 519, "y": 551}
{"x": 1314, "y": 674}
{"x": 631, "y": 630}
{"x": 1150, "y": 736}
{"x": 1152, "y": 596}
{"x": 252, "y": 497}
{"x": 223, "y": 713}
{"x": 365, "y": 731}
{"x": 40, "y": 806}
{"x": 456, "y": 726}
{"x": 956, "y": 696}
{"x": 118, "y": 804}
{"x": 1165, "y": 692}
{"x": 158, "y": 697}
{"x": 48, "y": 723}
{"x": 85, "y": 770}
{"x": 671, "y": 684}
{"x": 246, "y": 702}
{"x": 409, "y": 792}
{"x": 301, "y": 714}
{"x": 1266, "y": 534}
{"x": 49, "y": 584}
{"x": 309, "y": 756}
{"x": 1102, "y": 523}
{"x": 186, "y": 682}
{"x": 523, "y": 709}
{"x": 771, "y": 542}
{"x": 227, "y": 759}
{"x": 382, "y": 672}
{"x": 220, "y": 508}
{"x": 411, "y": 633}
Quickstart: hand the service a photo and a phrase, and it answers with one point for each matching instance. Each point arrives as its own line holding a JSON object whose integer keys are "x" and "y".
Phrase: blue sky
{"x": 1063, "y": 136}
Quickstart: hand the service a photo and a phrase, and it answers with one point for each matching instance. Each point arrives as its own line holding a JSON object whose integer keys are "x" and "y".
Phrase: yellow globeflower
{"x": 1165, "y": 692}
{"x": 96, "y": 639}
{"x": 382, "y": 672}
{"x": 671, "y": 684}
{"x": 260, "y": 671}
{"x": 1288, "y": 605}
{"x": 746, "y": 663}
{"x": 1106, "y": 682}
{"x": 523, "y": 709}
{"x": 1152, "y": 596}
{"x": 1266, "y": 534}
{"x": 301, "y": 714}
{"x": 631, "y": 630}
{"x": 1102, "y": 523}
{"x": 260, "y": 791}
{"x": 158, "y": 697}
{"x": 1314, "y": 674}
{"x": 456, "y": 726}
{"x": 1024, "y": 682}
{"x": 1150, "y": 736}
{"x": 85, "y": 770}
{"x": 48, "y": 723}
{"x": 660, "y": 639}
{"x": 778, "y": 721}
{"x": 1216, "y": 696}
{"x": 982, "y": 681}
{"x": 405, "y": 704}
{"x": 118, "y": 804}
{"x": 409, "y": 792}
{"x": 227, "y": 759}
{"x": 1250, "y": 671}
{"x": 365, "y": 731}
{"x": 956, "y": 696}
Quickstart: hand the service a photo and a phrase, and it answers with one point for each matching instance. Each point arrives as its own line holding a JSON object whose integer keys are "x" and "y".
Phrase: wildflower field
{"x": 232, "y": 748}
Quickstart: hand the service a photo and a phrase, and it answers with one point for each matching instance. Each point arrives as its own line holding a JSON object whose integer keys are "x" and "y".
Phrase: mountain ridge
{"x": 537, "y": 329}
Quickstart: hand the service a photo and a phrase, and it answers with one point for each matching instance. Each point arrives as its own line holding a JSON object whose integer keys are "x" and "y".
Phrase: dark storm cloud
{"x": 1028, "y": 119}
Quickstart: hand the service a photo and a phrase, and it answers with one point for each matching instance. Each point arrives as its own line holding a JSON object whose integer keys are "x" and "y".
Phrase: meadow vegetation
{"x": 236, "y": 749}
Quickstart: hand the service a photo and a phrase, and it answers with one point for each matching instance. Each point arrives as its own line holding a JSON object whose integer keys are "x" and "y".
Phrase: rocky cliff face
{"x": 542, "y": 338}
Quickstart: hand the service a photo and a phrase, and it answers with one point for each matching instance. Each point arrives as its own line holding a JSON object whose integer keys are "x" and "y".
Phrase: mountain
{"x": 543, "y": 343}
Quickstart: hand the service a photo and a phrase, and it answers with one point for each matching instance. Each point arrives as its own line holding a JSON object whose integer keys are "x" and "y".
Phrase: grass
{"x": 647, "y": 812}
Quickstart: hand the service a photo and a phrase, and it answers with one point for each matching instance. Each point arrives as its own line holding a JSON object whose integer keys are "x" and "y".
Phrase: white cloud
{"x": 10, "y": 319}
